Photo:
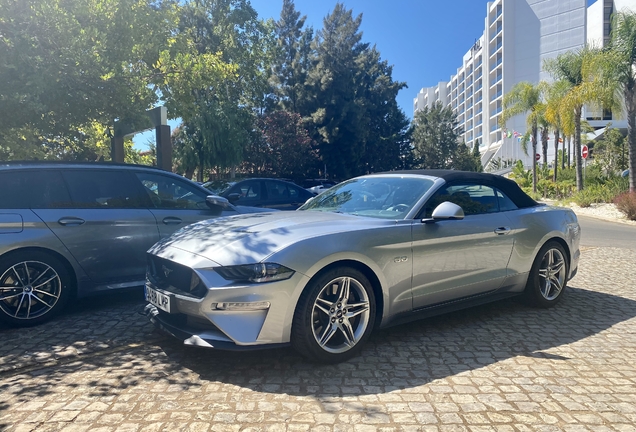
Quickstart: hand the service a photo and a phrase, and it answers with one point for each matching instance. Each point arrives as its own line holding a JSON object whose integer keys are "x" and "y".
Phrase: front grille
{"x": 172, "y": 277}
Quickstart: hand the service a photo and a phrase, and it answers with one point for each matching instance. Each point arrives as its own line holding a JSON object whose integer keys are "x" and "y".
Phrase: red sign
{"x": 584, "y": 152}
{"x": 538, "y": 157}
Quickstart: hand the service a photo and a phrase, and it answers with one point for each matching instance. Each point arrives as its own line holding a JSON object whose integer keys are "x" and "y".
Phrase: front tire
{"x": 548, "y": 276}
{"x": 334, "y": 317}
{"x": 34, "y": 287}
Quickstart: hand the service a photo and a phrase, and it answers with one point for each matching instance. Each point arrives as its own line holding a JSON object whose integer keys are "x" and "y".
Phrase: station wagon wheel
{"x": 335, "y": 316}
{"x": 33, "y": 288}
{"x": 548, "y": 276}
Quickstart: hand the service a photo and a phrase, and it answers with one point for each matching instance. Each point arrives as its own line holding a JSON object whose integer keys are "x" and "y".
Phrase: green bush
{"x": 626, "y": 203}
{"x": 597, "y": 193}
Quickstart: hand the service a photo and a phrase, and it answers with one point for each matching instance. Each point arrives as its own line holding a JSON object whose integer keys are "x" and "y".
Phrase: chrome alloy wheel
{"x": 29, "y": 289}
{"x": 552, "y": 275}
{"x": 340, "y": 315}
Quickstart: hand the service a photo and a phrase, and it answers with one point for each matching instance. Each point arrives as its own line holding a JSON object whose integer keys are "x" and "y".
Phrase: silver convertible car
{"x": 371, "y": 252}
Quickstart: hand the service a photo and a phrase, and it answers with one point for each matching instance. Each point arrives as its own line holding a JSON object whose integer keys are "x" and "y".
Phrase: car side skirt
{"x": 443, "y": 308}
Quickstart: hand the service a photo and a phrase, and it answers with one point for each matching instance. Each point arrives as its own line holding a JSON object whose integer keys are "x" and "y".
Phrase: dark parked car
{"x": 268, "y": 193}
{"x": 84, "y": 228}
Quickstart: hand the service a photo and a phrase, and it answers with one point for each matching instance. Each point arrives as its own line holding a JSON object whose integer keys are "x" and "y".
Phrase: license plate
{"x": 160, "y": 300}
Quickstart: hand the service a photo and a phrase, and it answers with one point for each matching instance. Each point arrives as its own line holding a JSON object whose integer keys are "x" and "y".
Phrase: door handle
{"x": 502, "y": 230}
{"x": 71, "y": 221}
{"x": 171, "y": 220}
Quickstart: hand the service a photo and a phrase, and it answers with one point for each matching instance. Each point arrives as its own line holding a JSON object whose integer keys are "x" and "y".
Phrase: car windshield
{"x": 387, "y": 197}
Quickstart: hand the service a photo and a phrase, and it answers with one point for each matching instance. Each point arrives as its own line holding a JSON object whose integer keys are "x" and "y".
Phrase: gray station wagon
{"x": 81, "y": 228}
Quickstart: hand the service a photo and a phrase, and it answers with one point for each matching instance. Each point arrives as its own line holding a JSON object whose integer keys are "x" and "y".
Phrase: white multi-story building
{"x": 518, "y": 36}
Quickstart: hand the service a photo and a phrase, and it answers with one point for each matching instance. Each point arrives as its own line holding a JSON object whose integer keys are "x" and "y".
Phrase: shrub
{"x": 626, "y": 203}
{"x": 597, "y": 193}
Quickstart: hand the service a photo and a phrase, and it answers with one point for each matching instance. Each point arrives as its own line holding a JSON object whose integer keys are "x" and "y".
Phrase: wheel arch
{"x": 565, "y": 246}
{"x": 65, "y": 262}
{"x": 376, "y": 285}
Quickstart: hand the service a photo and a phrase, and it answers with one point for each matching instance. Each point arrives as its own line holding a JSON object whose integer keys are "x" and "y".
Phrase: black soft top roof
{"x": 509, "y": 187}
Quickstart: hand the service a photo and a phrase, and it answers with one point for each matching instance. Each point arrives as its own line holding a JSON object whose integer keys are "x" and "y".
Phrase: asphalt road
{"x": 600, "y": 233}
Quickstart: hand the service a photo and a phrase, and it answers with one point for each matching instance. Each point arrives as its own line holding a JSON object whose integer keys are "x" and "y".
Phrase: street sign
{"x": 538, "y": 157}
{"x": 584, "y": 152}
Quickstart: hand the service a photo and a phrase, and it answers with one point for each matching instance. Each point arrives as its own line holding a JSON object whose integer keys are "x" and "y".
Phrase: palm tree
{"x": 523, "y": 98}
{"x": 554, "y": 93}
{"x": 569, "y": 67}
{"x": 615, "y": 69}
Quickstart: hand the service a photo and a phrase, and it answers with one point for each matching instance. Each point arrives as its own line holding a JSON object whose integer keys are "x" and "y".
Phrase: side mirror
{"x": 217, "y": 203}
{"x": 446, "y": 211}
{"x": 233, "y": 197}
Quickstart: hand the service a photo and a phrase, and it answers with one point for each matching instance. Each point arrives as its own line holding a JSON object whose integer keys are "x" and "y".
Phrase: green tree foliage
{"x": 291, "y": 59}
{"x": 358, "y": 125}
{"x": 611, "y": 152}
{"x": 217, "y": 98}
{"x": 523, "y": 98}
{"x": 569, "y": 67}
{"x": 65, "y": 64}
{"x": 615, "y": 71}
{"x": 282, "y": 147}
{"x": 435, "y": 137}
{"x": 477, "y": 157}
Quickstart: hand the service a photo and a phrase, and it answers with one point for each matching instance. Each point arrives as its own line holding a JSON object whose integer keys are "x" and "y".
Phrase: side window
{"x": 505, "y": 203}
{"x": 249, "y": 192}
{"x": 300, "y": 194}
{"x": 472, "y": 198}
{"x": 167, "y": 192}
{"x": 90, "y": 188}
{"x": 277, "y": 191}
{"x": 33, "y": 189}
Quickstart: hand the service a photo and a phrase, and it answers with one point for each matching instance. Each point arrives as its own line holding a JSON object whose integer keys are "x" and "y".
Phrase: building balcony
{"x": 496, "y": 48}
{"x": 494, "y": 66}
{"x": 495, "y": 80}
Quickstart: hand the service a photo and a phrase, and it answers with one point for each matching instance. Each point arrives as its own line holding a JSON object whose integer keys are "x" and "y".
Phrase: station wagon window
{"x": 104, "y": 189}
{"x": 249, "y": 192}
{"x": 167, "y": 192}
{"x": 472, "y": 198}
{"x": 33, "y": 189}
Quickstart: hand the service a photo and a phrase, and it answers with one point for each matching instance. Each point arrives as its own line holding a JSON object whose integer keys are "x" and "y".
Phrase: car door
{"x": 105, "y": 224}
{"x": 284, "y": 196}
{"x": 460, "y": 258}
{"x": 176, "y": 202}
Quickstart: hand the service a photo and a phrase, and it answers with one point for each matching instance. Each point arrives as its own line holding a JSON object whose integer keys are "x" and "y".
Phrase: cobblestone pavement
{"x": 500, "y": 367}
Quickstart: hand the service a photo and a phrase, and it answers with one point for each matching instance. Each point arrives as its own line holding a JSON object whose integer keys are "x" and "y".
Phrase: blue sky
{"x": 424, "y": 40}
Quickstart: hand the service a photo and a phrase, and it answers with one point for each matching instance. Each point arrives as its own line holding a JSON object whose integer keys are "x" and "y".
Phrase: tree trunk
{"x": 563, "y": 156}
{"x": 556, "y": 154}
{"x": 631, "y": 137}
{"x": 534, "y": 158}
{"x": 544, "y": 145}
{"x": 577, "y": 149}
{"x": 569, "y": 151}
{"x": 189, "y": 173}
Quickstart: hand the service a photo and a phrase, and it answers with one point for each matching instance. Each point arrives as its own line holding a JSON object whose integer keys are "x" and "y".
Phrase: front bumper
{"x": 192, "y": 336}
{"x": 236, "y": 317}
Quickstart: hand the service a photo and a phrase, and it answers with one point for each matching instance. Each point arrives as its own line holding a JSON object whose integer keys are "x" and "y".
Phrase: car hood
{"x": 253, "y": 237}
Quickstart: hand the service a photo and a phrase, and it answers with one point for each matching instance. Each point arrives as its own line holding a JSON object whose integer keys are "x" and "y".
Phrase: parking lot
{"x": 499, "y": 367}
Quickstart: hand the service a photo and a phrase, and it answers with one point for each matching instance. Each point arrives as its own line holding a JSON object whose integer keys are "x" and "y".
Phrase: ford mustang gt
{"x": 371, "y": 252}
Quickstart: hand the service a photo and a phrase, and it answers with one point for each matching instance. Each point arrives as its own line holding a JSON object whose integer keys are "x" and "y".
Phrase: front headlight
{"x": 260, "y": 272}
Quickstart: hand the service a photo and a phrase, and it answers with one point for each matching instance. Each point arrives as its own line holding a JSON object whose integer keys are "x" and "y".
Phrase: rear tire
{"x": 34, "y": 287}
{"x": 334, "y": 316}
{"x": 548, "y": 277}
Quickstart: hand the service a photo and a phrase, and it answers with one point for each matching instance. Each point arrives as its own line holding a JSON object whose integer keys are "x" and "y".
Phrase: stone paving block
{"x": 499, "y": 367}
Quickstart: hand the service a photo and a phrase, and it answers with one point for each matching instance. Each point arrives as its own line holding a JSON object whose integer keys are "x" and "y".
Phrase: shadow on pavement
{"x": 116, "y": 348}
